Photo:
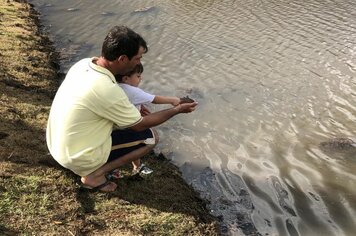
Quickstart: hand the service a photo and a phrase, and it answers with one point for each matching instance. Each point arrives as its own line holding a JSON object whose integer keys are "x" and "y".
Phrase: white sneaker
{"x": 143, "y": 169}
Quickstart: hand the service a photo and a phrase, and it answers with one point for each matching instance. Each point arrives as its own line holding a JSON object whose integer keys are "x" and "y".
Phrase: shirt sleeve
{"x": 136, "y": 95}
{"x": 124, "y": 114}
{"x": 116, "y": 107}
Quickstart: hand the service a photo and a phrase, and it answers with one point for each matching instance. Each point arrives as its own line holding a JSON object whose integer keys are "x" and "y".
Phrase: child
{"x": 129, "y": 83}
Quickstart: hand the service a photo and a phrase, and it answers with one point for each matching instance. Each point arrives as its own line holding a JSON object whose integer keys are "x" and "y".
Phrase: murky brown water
{"x": 273, "y": 80}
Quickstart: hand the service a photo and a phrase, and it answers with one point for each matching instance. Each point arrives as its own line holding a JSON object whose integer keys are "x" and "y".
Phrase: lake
{"x": 273, "y": 79}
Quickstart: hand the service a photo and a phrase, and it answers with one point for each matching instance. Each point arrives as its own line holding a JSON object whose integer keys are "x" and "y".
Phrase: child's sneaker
{"x": 143, "y": 169}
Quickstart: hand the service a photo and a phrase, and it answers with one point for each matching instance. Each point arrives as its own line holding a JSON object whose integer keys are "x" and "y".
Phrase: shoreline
{"x": 36, "y": 194}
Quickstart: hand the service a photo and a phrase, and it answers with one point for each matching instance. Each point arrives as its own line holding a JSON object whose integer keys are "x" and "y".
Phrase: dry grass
{"x": 38, "y": 197}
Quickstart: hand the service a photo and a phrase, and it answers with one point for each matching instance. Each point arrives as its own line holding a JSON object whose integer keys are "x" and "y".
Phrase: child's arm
{"x": 166, "y": 100}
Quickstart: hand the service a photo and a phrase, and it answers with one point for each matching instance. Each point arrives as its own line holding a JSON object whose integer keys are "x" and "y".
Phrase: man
{"x": 89, "y": 102}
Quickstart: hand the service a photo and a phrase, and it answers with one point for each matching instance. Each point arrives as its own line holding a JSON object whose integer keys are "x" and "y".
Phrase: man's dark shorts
{"x": 126, "y": 141}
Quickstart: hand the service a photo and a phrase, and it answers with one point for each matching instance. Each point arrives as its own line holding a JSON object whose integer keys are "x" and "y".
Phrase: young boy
{"x": 129, "y": 83}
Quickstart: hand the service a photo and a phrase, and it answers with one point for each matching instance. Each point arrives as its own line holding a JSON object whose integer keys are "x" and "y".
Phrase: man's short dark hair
{"x": 122, "y": 40}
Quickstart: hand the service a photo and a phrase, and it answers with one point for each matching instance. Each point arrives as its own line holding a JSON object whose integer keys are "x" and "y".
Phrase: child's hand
{"x": 175, "y": 101}
{"x": 144, "y": 111}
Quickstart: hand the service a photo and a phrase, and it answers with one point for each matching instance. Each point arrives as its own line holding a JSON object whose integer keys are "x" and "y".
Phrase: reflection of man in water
{"x": 87, "y": 105}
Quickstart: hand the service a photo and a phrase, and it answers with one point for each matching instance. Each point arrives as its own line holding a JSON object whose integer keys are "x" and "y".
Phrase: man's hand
{"x": 186, "y": 107}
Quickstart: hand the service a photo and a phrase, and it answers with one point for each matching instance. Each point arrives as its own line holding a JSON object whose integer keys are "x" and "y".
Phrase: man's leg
{"x": 128, "y": 146}
{"x": 98, "y": 177}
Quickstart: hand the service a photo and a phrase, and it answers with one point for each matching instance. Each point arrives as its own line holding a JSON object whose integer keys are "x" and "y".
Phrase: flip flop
{"x": 99, "y": 187}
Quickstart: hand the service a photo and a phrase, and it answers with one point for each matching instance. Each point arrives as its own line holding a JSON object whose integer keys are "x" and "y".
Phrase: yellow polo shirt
{"x": 87, "y": 105}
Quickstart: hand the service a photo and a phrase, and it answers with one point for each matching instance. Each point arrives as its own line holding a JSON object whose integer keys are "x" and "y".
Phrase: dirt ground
{"x": 39, "y": 197}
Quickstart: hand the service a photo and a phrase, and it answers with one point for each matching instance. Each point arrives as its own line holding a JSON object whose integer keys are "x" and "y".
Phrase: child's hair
{"x": 137, "y": 69}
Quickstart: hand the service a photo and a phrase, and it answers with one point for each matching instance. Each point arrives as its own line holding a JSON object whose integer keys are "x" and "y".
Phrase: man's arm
{"x": 157, "y": 118}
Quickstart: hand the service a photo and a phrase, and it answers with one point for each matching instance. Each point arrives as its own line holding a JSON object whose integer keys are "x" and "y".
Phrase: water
{"x": 273, "y": 79}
